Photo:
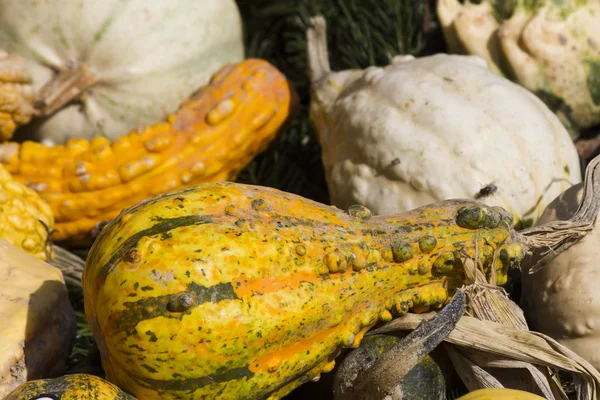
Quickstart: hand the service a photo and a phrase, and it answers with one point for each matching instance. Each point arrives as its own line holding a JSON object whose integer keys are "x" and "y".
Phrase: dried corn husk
{"x": 489, "y": 302}
{"x": 497, "y": 345}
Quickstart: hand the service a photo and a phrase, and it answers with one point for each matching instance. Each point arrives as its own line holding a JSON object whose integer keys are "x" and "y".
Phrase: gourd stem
{"x": 548, "y": 240}
{"x": 393, "y": 365}
{"x": 316, "y": 47}
{"x": 66, "y": 86}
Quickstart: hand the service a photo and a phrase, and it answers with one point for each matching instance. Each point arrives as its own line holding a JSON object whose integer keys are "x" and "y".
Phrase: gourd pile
{"x": 214, "y": 200}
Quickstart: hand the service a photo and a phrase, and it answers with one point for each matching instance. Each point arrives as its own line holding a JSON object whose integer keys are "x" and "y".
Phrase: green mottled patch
{"x": 193, "y": 384}
{"x": 593, "y": 81}
{"x": 530, "y": 6}
{"x": 560, "y": 107}
{"x": 161, "y": 228}
{"x": 503, "y": 9}
{"x": 161, "y": 306}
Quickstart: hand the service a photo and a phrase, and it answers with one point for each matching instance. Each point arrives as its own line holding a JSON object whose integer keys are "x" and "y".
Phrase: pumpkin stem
{"x": 394, "y": 364}
{"x": 549, "y": 240}
{"x": 63, "y": 88}
{"x": 316, "y": 47}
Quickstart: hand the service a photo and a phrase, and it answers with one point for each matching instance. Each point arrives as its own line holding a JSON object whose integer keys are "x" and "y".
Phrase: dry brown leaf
{"x": 511, "y": 343}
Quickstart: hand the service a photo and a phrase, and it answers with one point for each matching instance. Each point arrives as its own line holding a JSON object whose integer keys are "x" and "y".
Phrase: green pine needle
{"x": 361, "y": 33}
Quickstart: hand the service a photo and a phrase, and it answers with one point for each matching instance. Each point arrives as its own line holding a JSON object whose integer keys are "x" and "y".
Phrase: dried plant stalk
{"x": 510, "y": 343}
{"x": 547, "y": 241}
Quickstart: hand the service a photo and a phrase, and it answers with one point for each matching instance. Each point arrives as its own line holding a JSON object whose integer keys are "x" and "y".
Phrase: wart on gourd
{"x": 351, "y": 276}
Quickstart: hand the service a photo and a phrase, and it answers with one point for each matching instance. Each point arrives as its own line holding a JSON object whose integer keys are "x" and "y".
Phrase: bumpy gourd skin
{"x": 69, "y": 387}
{"x": 16, "y": 95}
{"x": 25, "y": 218}
{"x": 230, "y": 291}
{"x": 213, "y": 135}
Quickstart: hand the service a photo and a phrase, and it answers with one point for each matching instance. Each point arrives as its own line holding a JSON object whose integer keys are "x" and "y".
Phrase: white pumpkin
{"x": 133, "y": 61}
{"x": 438, "y": 127}
{"x": 562, "y": 298}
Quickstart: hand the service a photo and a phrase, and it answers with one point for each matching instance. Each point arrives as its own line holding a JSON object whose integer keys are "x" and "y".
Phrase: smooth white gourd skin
{"x": 562, "y": 299}
{"x": 149, "y": 55}
{"x": 439, "y": 127}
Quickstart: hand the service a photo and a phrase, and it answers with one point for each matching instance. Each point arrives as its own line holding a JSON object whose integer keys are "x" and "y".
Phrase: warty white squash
{"x": 422, "y": 130}
{"x": 550, "y": 47}
{"x": 125, "y": 62}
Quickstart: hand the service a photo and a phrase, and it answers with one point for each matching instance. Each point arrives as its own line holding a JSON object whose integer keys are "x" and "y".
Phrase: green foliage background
{"x": 361, "y": 33}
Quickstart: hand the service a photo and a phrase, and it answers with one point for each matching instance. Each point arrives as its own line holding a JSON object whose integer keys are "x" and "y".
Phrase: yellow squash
{"x": 500, "y": 394}
{"x": 25, "y": 218}
{"x": 69, "y": 387}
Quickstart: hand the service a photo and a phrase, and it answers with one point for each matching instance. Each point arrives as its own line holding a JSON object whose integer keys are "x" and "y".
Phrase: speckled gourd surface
{"x": 236, "y": 291}
{"x": 213, "y": 135}
{"x": 69, "y": 387}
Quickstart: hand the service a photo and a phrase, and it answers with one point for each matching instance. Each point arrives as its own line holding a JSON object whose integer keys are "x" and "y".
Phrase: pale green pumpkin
{"x": 550, "y": 47}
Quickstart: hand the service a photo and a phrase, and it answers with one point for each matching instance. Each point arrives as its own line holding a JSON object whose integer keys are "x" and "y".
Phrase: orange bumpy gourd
{"x": 213, "y": 135}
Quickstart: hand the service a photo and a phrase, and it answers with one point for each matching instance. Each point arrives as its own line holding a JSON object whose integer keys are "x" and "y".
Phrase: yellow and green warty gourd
{"x": 25, "y": 218}
{"x": 234, "y": 291}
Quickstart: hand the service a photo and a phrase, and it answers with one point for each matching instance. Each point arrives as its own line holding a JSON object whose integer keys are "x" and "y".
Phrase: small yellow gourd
{"x": 25, "y": 218}
{"x": 500, "y": 394}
